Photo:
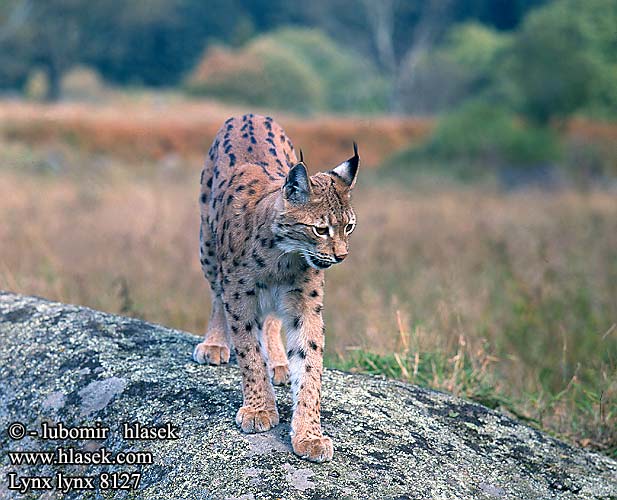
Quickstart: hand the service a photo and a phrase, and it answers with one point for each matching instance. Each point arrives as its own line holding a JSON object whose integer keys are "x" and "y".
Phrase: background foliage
{"x": 543, "y": 60}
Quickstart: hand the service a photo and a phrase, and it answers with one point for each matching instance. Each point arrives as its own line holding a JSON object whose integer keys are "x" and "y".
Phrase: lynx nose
{"x": 340, "y": 257}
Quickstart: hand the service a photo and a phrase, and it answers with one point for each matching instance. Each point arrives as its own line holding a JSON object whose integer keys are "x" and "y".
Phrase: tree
{"x": 49, "y": 35}
{"x": 564, "y": 59}
{"x": 157, "y": 42}
{"x": 460, "y": 66}
{"x": 13, "y": 64}
{"x": 153, "y": 43}
{"x": 393, "y": 33}
{"x": 397, "y": 34}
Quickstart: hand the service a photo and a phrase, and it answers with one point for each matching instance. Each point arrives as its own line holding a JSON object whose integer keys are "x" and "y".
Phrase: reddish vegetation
{"x": 138, "y": 131}
{"x": 593, "y": 131}
{"x": 221, "y": 63}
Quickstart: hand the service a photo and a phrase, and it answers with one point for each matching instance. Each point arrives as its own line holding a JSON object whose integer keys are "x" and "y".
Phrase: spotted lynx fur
{"x": 268, "y": 231}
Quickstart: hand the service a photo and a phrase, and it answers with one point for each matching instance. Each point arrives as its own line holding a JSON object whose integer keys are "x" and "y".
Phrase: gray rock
{"x": 392, "y": 440}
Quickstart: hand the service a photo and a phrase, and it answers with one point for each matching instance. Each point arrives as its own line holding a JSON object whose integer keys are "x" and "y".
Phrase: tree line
{"x": 155, "y": 43}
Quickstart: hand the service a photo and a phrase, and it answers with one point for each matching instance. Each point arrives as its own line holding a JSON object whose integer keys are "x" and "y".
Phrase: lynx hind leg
{"x": 216, "y": 345}
{"x": 215, "y": 348}
{"x": 278, "y": 366}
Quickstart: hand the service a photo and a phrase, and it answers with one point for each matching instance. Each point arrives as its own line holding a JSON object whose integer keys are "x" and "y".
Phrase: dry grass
{"x": 517, "y": 291}
{"x": 509, "y": 299}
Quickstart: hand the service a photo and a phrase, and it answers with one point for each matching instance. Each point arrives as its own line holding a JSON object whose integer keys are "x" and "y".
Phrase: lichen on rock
{"x": 392, "y": 440}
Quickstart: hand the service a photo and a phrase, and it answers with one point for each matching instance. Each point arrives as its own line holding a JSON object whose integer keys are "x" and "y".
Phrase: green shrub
{"x": 563, "y": 61}
{"x": 286, "y": 80}
{"x": 299, "y": 70}
{"x": 263, "y": 74}
{"x": 350, "y": 82}
{"x": 36, "y": 85}
{"x": 476, "y": 143}
{"x": 474, "y": 46}
{"x": 484, "y": 132}
{"x": 82, "y": 83}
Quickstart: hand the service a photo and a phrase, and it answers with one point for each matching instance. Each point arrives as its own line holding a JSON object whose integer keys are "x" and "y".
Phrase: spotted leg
{"x": 278, "y": 366}
{"x": 305, "y": 341}
{"x": 215, "y": 347}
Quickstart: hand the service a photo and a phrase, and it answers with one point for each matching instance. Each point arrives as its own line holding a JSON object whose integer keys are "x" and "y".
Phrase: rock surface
{"x": 392, "y": 440}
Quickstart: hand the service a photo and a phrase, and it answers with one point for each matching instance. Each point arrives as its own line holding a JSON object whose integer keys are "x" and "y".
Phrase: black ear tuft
{"x": 301, "y": 156}
{"x": 297, "y": 187}
{"x": 348, "y": 170}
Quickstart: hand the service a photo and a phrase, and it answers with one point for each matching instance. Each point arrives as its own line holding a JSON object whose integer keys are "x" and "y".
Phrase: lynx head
{"x": 316, "y": 217}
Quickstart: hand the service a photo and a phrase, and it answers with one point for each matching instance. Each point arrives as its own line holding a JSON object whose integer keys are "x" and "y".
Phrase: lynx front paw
{"x": 251, "y": 420}
{"x": 212, "y": 354}
{"x": 315, "y": 449}
{"x": 280, "y": 375}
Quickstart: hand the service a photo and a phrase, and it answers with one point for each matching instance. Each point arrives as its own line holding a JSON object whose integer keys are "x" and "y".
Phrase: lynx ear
{"x": 348, "y": 170}
{"x": 297, "y": 187}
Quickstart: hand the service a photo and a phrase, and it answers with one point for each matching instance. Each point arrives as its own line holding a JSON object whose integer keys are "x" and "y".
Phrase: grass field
{"x": 509, "y": 299}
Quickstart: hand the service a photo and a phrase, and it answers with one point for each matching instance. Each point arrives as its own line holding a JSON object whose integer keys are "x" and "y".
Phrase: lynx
{"x": 268, "y": 232}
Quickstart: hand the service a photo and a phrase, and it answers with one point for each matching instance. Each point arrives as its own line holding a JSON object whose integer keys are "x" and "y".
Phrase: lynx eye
{"x": 349, "y": 228}
{"x": 321, "y": 231}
